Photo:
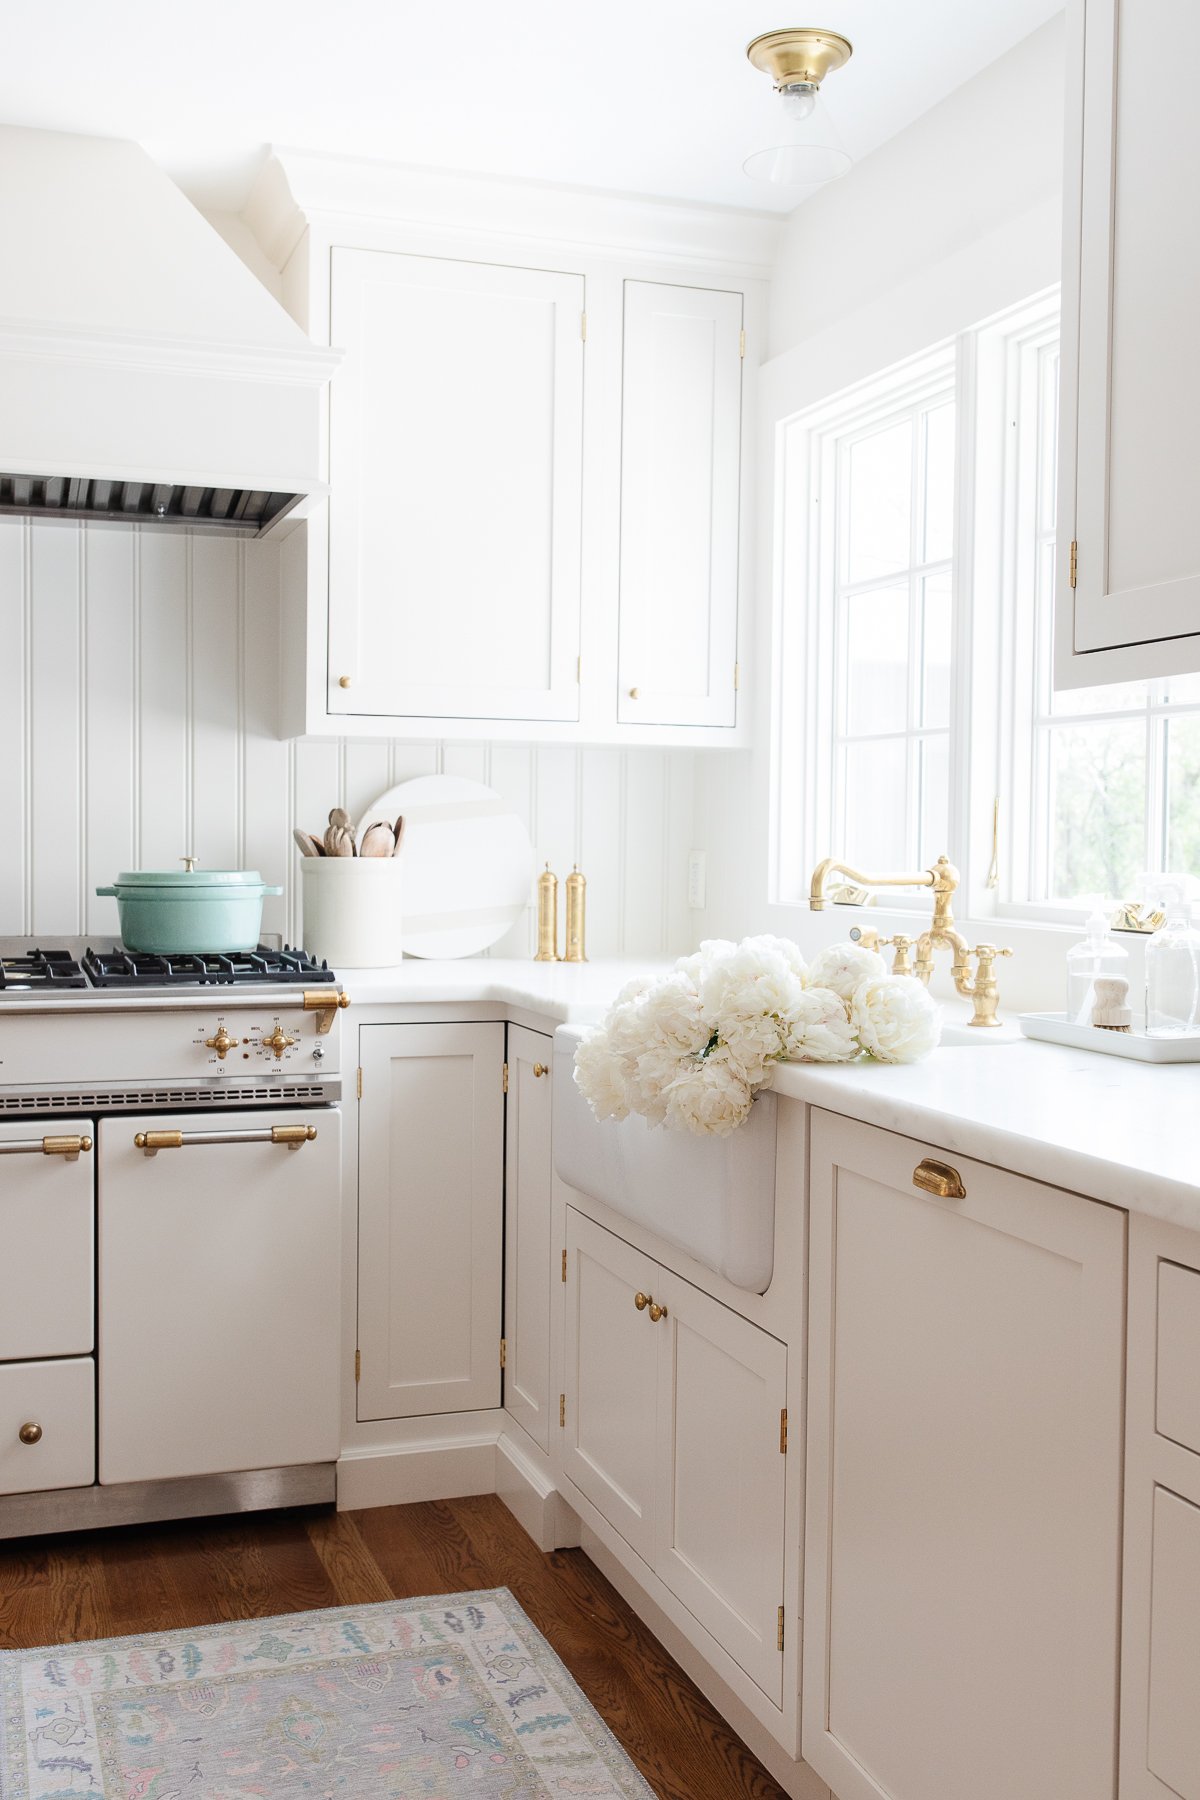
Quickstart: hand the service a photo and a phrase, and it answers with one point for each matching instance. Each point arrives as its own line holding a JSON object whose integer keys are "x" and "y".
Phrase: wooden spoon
{"x": 398, "y": 829}
{"x": 378, "y": 840}
{"x": 339, "y": 838}
{"x": 307, "y": 844}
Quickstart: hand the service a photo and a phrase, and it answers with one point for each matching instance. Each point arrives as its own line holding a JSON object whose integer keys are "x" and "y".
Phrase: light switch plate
{"x": 696, "y": 877}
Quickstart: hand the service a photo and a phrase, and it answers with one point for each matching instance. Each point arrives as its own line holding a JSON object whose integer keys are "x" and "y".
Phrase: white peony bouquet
{"x": 690, "y": 1049}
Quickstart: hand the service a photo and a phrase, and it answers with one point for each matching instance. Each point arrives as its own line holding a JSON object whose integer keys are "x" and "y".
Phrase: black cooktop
{"x": 23, "y": 969}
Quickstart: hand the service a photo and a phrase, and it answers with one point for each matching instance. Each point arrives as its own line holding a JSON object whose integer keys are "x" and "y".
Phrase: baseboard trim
{"x": 418, "y": 1471}
{"x": 530, "y": 1494}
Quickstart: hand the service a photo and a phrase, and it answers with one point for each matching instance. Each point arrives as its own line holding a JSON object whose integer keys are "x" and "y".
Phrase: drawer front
{"x": 47, "y": 1227}
{"x": 1173, "y": 1725}
{"x": 53, "y": 1403}
{"x": 1177, "y": 1393}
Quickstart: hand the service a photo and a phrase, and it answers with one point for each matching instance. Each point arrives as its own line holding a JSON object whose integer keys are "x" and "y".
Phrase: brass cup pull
{"x": 641, "y": 1301}
{"x": 540, "y": 1069}
{"x": 30, "y": 1432}
{"x": 940, "y": 1179}
{"x": 657, "y": 1312}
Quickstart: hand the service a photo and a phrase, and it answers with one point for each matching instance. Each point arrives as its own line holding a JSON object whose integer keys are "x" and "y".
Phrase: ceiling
{"x": 641, "y": 96}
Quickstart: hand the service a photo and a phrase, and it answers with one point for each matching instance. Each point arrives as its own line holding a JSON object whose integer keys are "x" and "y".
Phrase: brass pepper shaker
{"x": 547, "y": 916}
{"x": 576, "y": 917}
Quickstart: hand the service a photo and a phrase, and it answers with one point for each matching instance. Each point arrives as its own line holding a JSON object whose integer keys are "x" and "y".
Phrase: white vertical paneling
{"x": 14, "y": 912}
{"x": 139, "y": 701}
{"x": 110, "y": 673}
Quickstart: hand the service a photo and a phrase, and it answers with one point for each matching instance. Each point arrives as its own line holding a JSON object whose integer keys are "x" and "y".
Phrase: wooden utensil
{"x": 339, "y": 837}
{"x": 378, "y": 840}
{"x": 398, "y": 830}
{"x": 307, "y": 844}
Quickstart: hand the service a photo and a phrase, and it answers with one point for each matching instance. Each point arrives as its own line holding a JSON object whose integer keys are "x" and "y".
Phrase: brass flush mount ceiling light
{"x": 805, "y": 151}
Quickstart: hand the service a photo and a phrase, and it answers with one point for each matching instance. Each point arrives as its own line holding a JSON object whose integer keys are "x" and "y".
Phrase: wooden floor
{"x": 160, "y": 1577}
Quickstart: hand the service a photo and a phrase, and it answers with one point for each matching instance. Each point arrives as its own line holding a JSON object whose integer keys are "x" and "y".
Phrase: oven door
{"x": 218, "y": 1292}
{"x": 46, "y": 1272}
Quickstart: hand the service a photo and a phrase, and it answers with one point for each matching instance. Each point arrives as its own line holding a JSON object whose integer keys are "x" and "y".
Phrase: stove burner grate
{"x": 41, "y": 969}
{"x": 244, "y": 968}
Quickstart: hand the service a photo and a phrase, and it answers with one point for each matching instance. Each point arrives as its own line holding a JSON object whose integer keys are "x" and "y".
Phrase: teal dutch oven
{"x": 189, "y": 911}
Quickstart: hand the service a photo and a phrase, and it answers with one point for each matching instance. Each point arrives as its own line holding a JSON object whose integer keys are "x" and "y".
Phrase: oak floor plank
{"x": 356, "y": 1576}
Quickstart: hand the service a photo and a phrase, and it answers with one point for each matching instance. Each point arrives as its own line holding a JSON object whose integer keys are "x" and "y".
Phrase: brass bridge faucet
{"x": 981, "y": 988}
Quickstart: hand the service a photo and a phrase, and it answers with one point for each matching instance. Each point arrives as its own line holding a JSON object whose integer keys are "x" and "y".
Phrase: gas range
{"x": 87, "y": 1024}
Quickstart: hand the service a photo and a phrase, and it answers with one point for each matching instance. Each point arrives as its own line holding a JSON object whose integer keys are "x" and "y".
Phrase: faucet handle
{"x": 902, "y": 944}
{"x": 984, "y": 992}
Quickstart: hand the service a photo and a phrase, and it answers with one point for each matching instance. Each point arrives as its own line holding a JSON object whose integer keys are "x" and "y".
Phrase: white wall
{"x": 951, "y": 221}
{"x": 138, "y": 698}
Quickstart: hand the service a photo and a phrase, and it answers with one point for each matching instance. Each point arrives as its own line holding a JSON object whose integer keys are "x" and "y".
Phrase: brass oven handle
{"x": 324, "y": 1004}
{"x": 939, "y": 1178}
{"x": 46, "y": 1146}
{"x": 30, "y": 1432}
{"x": 294, "y": 1135}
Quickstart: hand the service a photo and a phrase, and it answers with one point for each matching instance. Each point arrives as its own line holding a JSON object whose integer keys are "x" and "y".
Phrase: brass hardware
{"x": 583, "y": 326}
{"x": 742, "y": 341}
{"x": 222, "y": 1043}
{"x": 578, "y": 670}
{"x": 1129, "y": 917}
{"x": 279, "y": 1041}
{"x": 562, "y": 1410}
{"x": 343, "y": 681}
{"x": 901, "y": 961}
{"x": 641, "y": 1301}
{"x": 189, "y": 863}
{"x": 30, "y": 1432}
{"x": 360, "y": 1081}
{"x": 799, "y": 55}
{"x": 547, "y": 916}
{"x": 866, "y": 935}
{"x": 503, "y": 1352}
{"x": 1074, "y": 562}
{"x": 358, "y": 1365}
{"x": 938, "y": 1178}
{"x": 504, "y": 1077}
{"x": 984, "y": 991}
{"x": 69, "y": 1147}
{"x": 633, "y": 693}
{"x": 152, "y": 1141}
{"x": 737, "y": 673}
{"x": 320, "y": 1000}
{"x": 657, "y": 1312}
{"x": 779, "y": 1630}
{"x": 293, "y": 1134}
{"x": 573, "y": 945}
{"x": 564, "y": 1265}
{"x": 993, "y": 874}
{"x": 540, "y": 1069}
{"x": 783, "y": 1431}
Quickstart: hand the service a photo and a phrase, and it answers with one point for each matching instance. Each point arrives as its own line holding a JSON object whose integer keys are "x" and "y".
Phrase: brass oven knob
{"x": 222, "y": 1043}
{"x": 279, "y": 1041}
{"x": 30, "y": 1432}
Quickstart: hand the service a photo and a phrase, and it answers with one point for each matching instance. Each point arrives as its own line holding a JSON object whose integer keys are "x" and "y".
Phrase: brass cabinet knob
{"x": 343, "y": 681}
{"x": 279, "y": 1041}
{"x": 657, "y": 1312}
{"x": 222, "y": 1043}
{"x": 641, "y": 1301}
{"x": 540, "y": 1069}
{"x": 30, "y": 1432}
{"x": 633, "y": 693}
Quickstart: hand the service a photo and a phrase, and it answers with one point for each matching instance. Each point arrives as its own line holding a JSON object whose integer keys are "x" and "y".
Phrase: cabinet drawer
{"x": 1177, "y": 1395}
{"x": 1173, "y": 1733}
{"x": 60, "y": 1399}
{"x": 47, "y": 1225}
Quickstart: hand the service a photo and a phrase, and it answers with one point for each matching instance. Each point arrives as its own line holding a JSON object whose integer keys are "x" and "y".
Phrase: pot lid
{"x": 189, "y": 878}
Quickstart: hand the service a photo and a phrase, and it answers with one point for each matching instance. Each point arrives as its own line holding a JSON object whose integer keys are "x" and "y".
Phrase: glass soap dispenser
{"x": 1173, "y": 968}
{"x": 1099, "y": 955}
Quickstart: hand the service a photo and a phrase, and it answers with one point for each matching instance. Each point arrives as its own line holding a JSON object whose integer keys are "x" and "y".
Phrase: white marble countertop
{"x": 1119, "y": 1131}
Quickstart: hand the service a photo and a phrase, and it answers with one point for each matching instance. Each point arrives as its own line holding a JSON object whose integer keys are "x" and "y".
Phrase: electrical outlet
{"x": 696, "y": 877}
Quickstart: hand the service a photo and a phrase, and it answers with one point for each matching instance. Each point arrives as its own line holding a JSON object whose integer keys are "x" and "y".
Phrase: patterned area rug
{"x": 452, "y": 1698}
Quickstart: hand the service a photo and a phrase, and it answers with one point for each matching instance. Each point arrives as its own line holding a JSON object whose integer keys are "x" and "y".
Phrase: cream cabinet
{"x": 48, "y": 1274}
{"x": 1128, "y": 579}
{"x": 963, "y": 1478}
{"x": 528, "y": 1274}
{"x": 672, "y": 1418}
{"x": 430, "y": 1218}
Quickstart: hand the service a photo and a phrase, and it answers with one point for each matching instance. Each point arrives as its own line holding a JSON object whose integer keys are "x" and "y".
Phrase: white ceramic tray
{"x": 1056, "y": 1028}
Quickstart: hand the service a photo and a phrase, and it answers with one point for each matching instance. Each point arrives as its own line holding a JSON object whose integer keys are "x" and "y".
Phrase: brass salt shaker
{"x": 547, "y": 916}
{"x": 576, "y": 917}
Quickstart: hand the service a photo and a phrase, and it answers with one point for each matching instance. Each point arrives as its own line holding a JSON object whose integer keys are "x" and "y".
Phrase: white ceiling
{"x": 643, "y": 96}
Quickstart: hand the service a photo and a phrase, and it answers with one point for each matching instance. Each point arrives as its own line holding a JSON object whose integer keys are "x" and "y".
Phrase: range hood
{"x": 146, "y": 376}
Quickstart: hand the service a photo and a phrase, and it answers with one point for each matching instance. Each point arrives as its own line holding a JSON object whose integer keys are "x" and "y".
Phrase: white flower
{"x": 671, "y": 1012}
{"x": 633, "y": 990}
{"x": 844, "y": 967}
{"x": 655, "y": 1070}
{"x": 895, "y": 1019}
{"x": 753, "y": 1042}
{"x": 709, "y": 1095}
{"x": 817, "y": 1028}
{"x": 626, "y": 1028}
{"x": 777, "y": 946}
{"x": 602, "y": 1077}
{"x": 694, "y": 966}
{"x": 746, "y": 984}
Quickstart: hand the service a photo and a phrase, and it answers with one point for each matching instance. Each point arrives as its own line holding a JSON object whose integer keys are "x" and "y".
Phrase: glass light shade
{"x": 802, "y": 149}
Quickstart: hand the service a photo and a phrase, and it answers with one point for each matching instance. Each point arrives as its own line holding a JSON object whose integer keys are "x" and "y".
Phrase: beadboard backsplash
{"x": 138, "y": 702}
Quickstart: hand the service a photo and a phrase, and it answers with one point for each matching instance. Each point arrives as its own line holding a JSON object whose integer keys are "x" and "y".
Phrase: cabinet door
{"x": 680, "y": 497}
{"x": 719, "y": 1519}
{"x": 527, "y": 1264}
{"x": 218, "y": 1295}
{"x": 1132, "y": 272}
{"x": 430, "y": 1218}
{"x": 963, "y": 1480}
{"x": 47, "y": 1271}
{"x": 611, "y": 1380}
{"x": 57, "y": 1402}
{"x": 456, "y": 431}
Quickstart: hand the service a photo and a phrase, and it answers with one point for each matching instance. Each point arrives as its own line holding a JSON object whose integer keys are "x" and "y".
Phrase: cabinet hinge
{"x": 742, "y": 341}
{"x": 505, "y": 1078}
{"x": 578, "y": 670}
{"x": 564, "y": 1265}
{"x": 358, "y": 1365}
{"x": 503, "y": 1352}
{"x": 783, "y": 1431}
{"x": 737, "y": 672}
{"x": 562, "y": 1411}
{"x": 779, "y": 1634}
{"x": 1074, "y": 561}
{"x": 583, "y": 326}
{"x": 360, "y": 1082}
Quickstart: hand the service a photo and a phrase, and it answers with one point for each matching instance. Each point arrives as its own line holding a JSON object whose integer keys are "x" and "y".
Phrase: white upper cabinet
{"x": 455, "y": 464}
{"x": 681, "y": 414}
{"x": 1131, "y": 375}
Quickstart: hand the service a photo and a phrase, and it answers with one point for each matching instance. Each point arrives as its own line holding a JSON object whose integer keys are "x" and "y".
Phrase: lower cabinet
{"x": 963, "y": 1478}
{"x": 430, "y": 1218}
{"x": 47, "y": 1424}
{"x": 673, "y": 1430}
{"x": 528, "y": 1276}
